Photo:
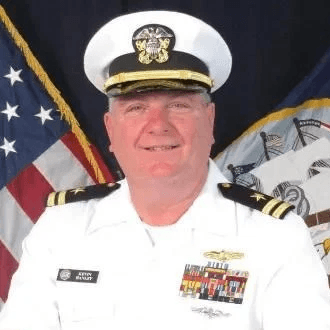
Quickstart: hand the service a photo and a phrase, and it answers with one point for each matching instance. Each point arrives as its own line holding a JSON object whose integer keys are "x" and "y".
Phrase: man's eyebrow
{"x": 123, "y": 103}
{"x": 187, "y": 96}
{"x": 174, "y": 96}
{"x": 126, "y": 99}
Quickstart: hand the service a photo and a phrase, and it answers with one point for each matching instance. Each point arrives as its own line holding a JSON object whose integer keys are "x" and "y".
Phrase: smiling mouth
{"x": 161, "y": 148}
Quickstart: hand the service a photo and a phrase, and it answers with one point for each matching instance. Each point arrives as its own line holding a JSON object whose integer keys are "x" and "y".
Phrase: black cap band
{"x": 177, "y": 61}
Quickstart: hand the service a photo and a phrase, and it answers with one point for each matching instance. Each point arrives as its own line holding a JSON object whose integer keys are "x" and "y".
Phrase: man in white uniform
{"x": 173, "y": 246}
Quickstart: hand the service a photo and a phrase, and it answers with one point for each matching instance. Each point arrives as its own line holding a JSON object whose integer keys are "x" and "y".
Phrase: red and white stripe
{"x": 325, "y": 126}
{"x": 62, "y": 166}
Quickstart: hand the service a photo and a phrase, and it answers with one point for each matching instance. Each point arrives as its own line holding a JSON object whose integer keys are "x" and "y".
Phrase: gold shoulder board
{"x": 81, "y": 194}
{"x": 255, "y": 199}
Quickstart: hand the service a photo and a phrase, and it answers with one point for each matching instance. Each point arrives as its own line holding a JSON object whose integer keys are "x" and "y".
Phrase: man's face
{"x": 161, "y": 134}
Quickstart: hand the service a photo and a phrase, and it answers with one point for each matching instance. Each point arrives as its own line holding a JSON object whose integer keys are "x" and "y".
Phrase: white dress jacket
{"x": 94, "y": 265}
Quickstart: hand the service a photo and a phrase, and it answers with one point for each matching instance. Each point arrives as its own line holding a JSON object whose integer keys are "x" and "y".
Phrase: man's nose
{"x": 159, "y": 121}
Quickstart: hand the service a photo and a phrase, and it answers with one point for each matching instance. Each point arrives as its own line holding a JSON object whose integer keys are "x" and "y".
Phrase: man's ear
{"x": 211, "y": 116}
{"x": 108, "y": 125}
{"x": 211, "y": 112}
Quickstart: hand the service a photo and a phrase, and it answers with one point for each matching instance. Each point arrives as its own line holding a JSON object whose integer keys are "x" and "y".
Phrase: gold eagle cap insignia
{"x": 153, "y": 43}
{"x": 223, "y": 255}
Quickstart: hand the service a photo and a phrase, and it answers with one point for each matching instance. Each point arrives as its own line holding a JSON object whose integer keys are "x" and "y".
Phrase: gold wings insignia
{"x": 223, "y": 255}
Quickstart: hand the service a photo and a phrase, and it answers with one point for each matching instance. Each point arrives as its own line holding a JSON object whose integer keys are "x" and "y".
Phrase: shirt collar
{"x": 210, "y": 212}
{"x": 114, "y": 209}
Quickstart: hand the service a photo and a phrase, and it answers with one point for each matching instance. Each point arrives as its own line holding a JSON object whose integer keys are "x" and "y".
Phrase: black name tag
{"x": 76, "y": 275}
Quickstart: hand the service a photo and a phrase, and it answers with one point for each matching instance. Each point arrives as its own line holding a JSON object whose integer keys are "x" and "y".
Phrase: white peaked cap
{"x": 196, "y": 53}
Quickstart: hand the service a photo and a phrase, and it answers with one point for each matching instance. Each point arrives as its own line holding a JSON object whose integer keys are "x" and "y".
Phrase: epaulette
{"x": 255, "y": 199}
{"x": 81, "y": 194}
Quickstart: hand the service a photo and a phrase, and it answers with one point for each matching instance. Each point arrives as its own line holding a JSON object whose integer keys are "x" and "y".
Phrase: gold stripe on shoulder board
{"x": 61, "y": 198}
{"x": 270, "y": 205}
{"x": 51, "y": 199}
{"x": 280, "y": 210}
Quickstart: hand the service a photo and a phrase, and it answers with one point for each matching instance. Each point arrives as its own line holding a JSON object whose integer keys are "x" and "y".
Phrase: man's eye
{"x": 179, "y": 106}
{"x": 135, "y": 108}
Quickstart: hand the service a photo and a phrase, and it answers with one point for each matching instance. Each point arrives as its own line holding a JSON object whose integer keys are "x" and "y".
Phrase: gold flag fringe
{"x": 53, "y": 92}
{"x": 308, "y": 105}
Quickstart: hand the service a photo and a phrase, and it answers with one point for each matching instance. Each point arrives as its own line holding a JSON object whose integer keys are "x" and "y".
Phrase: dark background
{"x": 274, "y": 43}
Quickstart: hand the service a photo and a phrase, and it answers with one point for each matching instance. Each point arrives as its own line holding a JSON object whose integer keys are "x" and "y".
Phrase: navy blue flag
{"x": 315, "y": 86}
{"x": 291, "y": 150}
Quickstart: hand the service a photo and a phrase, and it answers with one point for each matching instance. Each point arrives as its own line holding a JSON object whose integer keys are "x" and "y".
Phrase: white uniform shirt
{"x": 141, "y": 269}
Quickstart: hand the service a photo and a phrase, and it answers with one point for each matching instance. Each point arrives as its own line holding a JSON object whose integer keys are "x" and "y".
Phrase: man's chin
{"x": 162, "y": 170}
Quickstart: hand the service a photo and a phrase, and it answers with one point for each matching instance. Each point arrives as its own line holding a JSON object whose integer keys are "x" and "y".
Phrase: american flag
{"x": 39, "y": 151}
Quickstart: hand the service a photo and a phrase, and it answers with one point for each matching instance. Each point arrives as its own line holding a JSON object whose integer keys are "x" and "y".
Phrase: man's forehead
{"x": 171, "y": 94}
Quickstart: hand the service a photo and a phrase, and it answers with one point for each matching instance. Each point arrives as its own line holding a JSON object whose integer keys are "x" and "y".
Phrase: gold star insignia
{"x": 258, "y": 196}
{"x": 77, "y": 190}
